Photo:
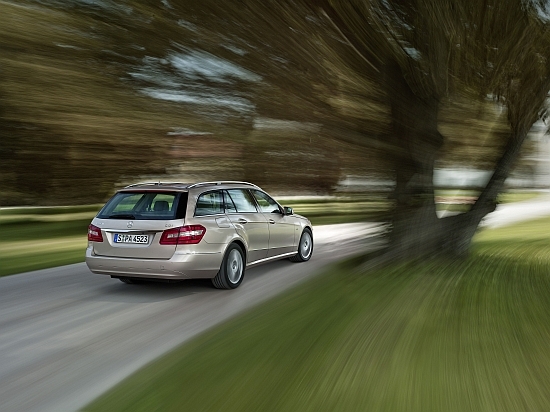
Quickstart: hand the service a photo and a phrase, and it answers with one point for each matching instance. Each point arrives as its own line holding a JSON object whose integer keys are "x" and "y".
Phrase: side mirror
{"x": 287, "y": 210}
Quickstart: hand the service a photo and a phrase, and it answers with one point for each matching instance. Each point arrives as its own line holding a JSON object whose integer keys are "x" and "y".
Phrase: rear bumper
{"x": 180, "y": 266}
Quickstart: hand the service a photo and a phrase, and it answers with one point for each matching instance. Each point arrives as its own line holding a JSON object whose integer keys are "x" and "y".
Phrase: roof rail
{"x": 155, "y": 184}
{"x": 222, "y": 182}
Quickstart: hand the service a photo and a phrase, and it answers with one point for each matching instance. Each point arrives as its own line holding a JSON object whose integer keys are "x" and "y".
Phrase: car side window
{"x": 229, "y": 206}
{"x": 209, "y": 203}
{"x": 266, "y": 203}
{"x": 243, "y": 200}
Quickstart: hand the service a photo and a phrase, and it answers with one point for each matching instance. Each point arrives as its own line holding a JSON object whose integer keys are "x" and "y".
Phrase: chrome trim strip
{"x": 131, "y": 230}
{"x": 257, "y": 262}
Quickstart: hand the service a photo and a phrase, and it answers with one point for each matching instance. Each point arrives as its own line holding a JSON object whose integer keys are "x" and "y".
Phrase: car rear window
{"x": 145, "y": 205}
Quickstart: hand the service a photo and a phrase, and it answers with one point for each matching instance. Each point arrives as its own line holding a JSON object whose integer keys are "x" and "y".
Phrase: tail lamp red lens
{"x": 184, "y": 235}
{"x": 94, "y": 234}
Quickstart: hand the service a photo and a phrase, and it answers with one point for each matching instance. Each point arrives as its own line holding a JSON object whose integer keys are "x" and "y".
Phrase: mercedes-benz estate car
{"x": 174, "y": 231}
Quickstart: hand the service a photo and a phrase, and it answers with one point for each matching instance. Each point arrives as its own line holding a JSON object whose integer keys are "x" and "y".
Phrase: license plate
{"x": 123, "y": 238}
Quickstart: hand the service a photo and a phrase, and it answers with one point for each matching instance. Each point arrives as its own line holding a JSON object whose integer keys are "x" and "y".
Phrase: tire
{"x": 231, "y": 271}
{"x": 305, "y": 247}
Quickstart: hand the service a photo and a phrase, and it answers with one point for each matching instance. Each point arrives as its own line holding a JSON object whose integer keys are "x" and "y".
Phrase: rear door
{"x": 132, "y": 224}
{"x": 248, "y": 221}
{"x": 282, "y": 229}
{"x": 209, "y": 212}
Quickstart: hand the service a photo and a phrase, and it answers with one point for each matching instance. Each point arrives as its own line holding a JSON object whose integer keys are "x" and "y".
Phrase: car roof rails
{"x": 222, "y": 182}
{"x": 157, "y": 184}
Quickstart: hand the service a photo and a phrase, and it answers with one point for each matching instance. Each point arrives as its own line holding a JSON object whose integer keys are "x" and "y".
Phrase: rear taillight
{"x": 184, "y": 235}
{"x": 94, "y": 234}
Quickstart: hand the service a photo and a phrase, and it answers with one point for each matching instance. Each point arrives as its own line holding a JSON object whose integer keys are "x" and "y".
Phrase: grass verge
{"x": 429, "y": 336}
{"x": 462, "y": 200}
{"x": 24, "y": 256}
{"x": 33, "y": 240}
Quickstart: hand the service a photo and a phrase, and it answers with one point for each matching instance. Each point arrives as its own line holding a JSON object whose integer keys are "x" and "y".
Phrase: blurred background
{"x": 98, "y": 94}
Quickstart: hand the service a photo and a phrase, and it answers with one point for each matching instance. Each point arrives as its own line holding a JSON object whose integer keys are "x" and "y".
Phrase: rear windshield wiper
{"x": 122, "y": 216}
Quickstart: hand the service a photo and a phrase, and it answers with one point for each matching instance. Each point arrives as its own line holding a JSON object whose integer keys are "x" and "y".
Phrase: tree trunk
{"x": 459, "y": 230}
{"x": 415, "y": 226}
{"x": 523, "y": 111}
{"x": 417, "y": 232}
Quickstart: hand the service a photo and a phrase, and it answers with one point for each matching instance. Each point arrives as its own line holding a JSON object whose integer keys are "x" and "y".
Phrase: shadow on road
{"x": 112, "y": 290}
{"x": 149, "y": 291}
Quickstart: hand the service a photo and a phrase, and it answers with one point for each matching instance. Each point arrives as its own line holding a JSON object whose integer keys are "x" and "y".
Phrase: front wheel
{"x": 305, "y": 247}
{"x": 231, "y": 271}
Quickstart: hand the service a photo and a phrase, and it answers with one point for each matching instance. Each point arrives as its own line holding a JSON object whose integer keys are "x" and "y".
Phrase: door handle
{"x": 242, "y": 221}
{"x": 271, "y": 221}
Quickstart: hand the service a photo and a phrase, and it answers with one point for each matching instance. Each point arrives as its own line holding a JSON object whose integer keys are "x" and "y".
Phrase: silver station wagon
{"x": 170, "y": 231}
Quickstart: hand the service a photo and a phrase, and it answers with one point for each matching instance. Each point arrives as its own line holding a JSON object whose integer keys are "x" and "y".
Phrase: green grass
{"x": 41, "y": 248}
{"x": 430, "y": 336}
{"x": 41, "y": 260}
{"x": 505, "y": 197}
{"x": 39, "y": 238}
{"x": 461, "y": 200}
{"x": 510, "y": 197}
{"x": 341, "y": 210}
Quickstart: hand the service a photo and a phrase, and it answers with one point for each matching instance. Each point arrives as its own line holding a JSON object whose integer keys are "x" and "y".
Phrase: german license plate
{"x": 124, "y": 238}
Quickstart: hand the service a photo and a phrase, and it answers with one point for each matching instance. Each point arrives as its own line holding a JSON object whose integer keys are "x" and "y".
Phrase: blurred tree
{"x": 425, "y": 51}
{"x": 112, "y": 78}
{"x": 70, "y": 128}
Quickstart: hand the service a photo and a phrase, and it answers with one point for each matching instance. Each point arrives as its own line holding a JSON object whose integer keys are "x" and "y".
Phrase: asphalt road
{"x": 67, "y": 335}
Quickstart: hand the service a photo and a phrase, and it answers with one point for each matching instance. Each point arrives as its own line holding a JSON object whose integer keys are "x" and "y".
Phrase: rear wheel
{"x": 305, "y": 247}
{"x": 231, "y": 271}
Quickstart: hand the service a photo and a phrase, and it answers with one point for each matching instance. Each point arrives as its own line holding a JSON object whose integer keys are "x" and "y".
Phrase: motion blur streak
{"x": 426, "y": 336}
